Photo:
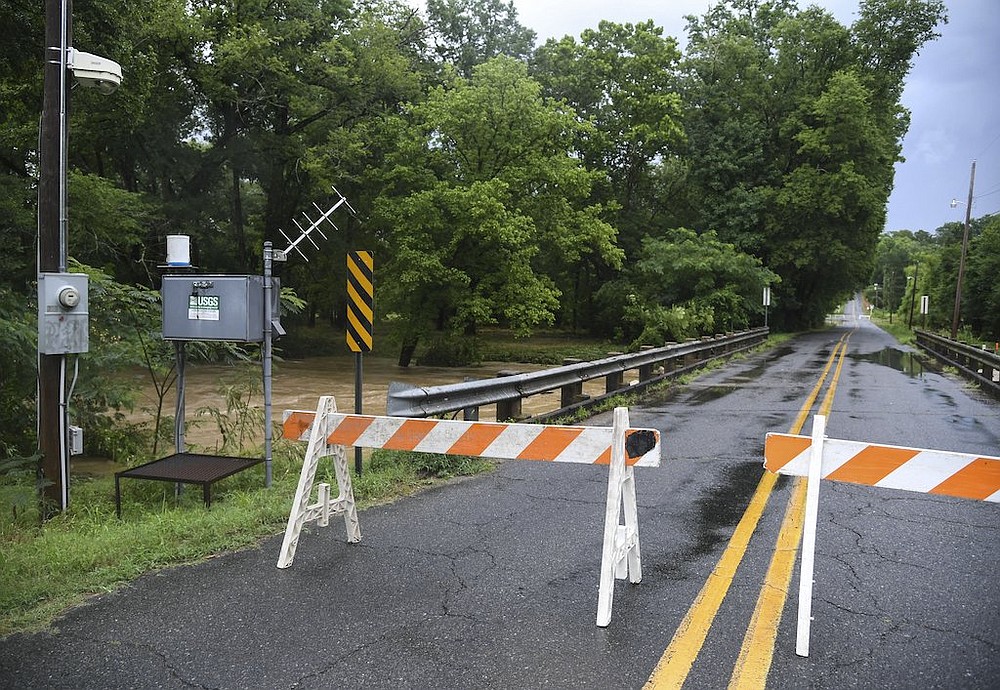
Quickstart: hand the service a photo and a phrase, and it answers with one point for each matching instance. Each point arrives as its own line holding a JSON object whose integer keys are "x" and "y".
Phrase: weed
{"x": 241, "y": 422}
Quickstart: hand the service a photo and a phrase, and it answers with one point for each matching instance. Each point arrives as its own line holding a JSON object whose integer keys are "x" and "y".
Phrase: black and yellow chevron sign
{"x": 360, "y": 301}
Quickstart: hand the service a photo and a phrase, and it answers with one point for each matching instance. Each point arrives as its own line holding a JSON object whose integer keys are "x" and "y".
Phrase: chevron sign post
{"x": 890, "y": 467}
{"x": 618, "y": 446}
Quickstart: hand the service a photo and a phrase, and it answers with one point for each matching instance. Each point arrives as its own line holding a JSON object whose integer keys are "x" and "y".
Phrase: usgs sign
{"x": 203, "y": 307}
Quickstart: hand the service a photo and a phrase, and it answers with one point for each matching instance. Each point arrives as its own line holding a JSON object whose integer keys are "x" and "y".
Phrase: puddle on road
{"x": 772, "y": 356}
{"x": 725, "y": 503}
{"x": 700, "y": 396}
{"x": 907, "y": 362}
{"x": 721, "y": 506}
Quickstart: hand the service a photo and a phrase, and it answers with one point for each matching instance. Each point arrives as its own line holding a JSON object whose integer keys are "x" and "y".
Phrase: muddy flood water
{"x": 298, "y": 385}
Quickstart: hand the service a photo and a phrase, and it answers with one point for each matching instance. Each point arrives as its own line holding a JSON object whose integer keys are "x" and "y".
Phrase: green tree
{"x": 622, "y": 79}
{"x": 732, "y": 110}
{"x": 904, "y": 262}
{"x": 887, "y": 35}
{"x": 830, "y": 208}
{"x": 464, "y": 261}
{"x": 895, "y": 256}
{"x": 794, "y": 137}
{"x": 18, "y": 334}
{"x": 685, "y": 284}
{"x": 466, "y": 33}
{"x": 133, "y": 154}
{"x": 352, "y": 149}
{"x": 502, "y": 216}
{"x": 981, "y": 305}
{"x": 21, "y": 64}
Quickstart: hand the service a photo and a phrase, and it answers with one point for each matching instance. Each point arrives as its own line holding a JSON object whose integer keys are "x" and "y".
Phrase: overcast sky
{"x": 953, "y": 94}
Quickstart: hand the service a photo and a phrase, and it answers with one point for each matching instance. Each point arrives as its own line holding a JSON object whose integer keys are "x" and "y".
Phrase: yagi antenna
{"x": 313, "y": 226}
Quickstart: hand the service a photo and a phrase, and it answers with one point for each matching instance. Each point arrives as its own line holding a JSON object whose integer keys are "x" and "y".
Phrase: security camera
{"x": 93, "y": 70}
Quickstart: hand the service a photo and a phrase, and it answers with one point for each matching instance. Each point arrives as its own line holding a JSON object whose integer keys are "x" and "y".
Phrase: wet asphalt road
{"x": 491, "y": 582}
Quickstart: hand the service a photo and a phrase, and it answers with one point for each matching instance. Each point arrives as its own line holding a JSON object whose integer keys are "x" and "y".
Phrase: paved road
{"x": 491, "y": 582}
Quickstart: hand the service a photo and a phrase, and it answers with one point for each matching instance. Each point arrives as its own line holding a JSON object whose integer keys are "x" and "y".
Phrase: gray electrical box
{"x": 63, "y": 313}
{"x": 75, "y": 440}
{"x": 216, "y": 307}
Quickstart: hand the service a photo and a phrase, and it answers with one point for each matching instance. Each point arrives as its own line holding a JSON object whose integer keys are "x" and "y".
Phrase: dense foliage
{"x": 909, "y": 265}
{"x": 606, "y": 183}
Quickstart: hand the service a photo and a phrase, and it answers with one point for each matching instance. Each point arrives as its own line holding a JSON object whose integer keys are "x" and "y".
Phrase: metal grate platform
{"x": 186, "y": 468}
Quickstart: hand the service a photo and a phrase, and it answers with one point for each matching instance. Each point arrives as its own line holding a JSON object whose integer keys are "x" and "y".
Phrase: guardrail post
{"x": 670, "y": 363}
{"x": 614, "y": 381}
{"x": 691, "y": 357}
{"x": 645, "y": 370}
{"x": 470, "y": 414}
{"x": 573, "y": 392}
{"x": 508, "y": 409}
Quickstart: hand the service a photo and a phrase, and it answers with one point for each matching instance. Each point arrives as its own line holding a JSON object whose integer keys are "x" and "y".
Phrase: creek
{"x": 298, "y": 385}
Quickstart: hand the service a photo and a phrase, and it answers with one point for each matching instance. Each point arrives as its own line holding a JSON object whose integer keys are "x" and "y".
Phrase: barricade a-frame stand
{"x": 302, "y": 512}
{"x": 621, "y": 556}
{"x": 618, "y": 446}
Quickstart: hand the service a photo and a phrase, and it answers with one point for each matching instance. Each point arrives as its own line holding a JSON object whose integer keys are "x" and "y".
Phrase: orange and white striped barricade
{"x": 891, "y": 467}
{"x": 618, "y": 446}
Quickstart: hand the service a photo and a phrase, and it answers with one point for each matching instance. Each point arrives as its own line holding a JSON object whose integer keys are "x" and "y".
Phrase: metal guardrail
{"x": 507, "y": 391}
{"x": 974, "y": 363}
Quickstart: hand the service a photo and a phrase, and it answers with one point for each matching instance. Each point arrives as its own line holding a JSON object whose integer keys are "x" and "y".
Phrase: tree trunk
{"x": 238, "y": 226}
{"x": 406, "y": 352}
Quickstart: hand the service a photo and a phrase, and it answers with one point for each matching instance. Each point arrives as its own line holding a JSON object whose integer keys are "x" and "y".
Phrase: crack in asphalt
{"x": 448, "y": 592}
{"x": 168, "y": 665}
{"x": 336, "y": 661}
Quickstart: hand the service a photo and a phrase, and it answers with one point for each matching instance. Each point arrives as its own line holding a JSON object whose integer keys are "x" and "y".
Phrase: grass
{"x": 86, "y": 550}
{"x": 549, "y": 348}
{"x": 897, "y": 329}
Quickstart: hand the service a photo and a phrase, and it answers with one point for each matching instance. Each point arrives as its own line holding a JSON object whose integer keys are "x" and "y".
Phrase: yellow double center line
{"x": 755, "y": 655}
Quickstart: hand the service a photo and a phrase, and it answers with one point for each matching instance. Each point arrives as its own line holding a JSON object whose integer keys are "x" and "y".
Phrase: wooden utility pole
{"x": 961, "y": 262}
{"x": 51, "y": 249}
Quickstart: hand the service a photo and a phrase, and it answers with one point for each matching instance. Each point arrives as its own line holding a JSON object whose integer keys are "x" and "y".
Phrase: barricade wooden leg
{"x": 323, "y": 495}
{"x": 346, "y": 498}
{"x": 631, "y": 540}
{"x": 300, "y": 504}
{"x": 809, "y": 536}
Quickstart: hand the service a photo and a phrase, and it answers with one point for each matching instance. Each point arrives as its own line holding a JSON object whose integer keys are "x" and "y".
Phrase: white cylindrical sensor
{"x": 178, "y": 250}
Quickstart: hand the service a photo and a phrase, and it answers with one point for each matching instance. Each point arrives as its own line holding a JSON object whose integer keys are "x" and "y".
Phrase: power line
{"x": 989, "y": 193}
{"x": 992, "y": 141}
